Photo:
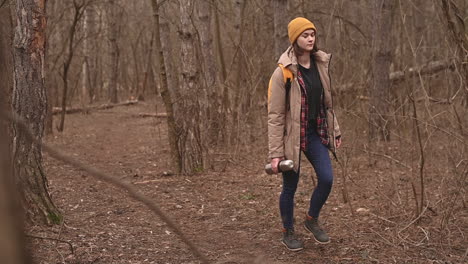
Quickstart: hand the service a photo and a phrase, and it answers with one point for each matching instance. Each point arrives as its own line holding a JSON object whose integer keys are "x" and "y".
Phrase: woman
{"x": 301, "y": 119}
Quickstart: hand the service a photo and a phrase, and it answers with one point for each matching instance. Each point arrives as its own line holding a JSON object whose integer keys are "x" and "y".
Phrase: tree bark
{"x": 168, "y": 53}
{"x": 382, "y": 57}
{"x": 190, "y": 139}
{"x": 213, "y": 120}
{"x": 12, "y": 246}
{"x": 166, "y": 96}
{"x": 30, "y": 103}
{"x": 6, "y": 57}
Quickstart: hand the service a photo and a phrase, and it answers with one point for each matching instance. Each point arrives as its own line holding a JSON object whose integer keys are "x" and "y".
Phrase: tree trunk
{"x": 88, "y": 66}
{"x": 456, "y": 27}
{"x": 78, "y": 11}
{"x": 382, "y": 58}
{"x": 212, "y": 122}
{"x": 280, "y": 26}
{"x": 168, "y": 53}
{"x": 219, "y": 43}
{"x": 148, "y": 68}
{"x": 166, "y": 96}
{"x": 11, "y": 234}
{"x": 190, "y": 140}
{"x": 30, "y": 103}
{"x": 239, "y": 61}
{"x": 224, "y": 100}
{"x": 114, "y": 51}
{"x": 6, "y": 57}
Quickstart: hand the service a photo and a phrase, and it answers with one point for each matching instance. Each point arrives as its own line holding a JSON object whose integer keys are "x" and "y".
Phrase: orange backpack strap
{"x": 287, "y": 77}
{"x": 287, "y": 74}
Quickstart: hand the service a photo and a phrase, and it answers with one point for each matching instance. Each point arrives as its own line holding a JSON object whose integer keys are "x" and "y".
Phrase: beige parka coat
{"x": 284, "y": 118}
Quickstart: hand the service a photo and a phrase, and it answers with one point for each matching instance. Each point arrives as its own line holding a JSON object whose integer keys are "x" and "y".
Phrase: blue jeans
{"x": 318, "y": 156}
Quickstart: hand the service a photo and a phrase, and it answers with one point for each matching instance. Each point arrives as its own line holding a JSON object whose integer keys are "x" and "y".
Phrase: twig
{"x": 414, "y": 220}
{"x": 383, "y": 238}
{"x": 109, "y": 179}
{"x": 388, "y": 157}
{"x": 382, "y": 218}
{"x": 54, "y": 239}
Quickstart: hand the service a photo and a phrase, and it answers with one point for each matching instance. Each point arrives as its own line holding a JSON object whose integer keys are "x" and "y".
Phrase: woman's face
{"x": 306, "y": 40}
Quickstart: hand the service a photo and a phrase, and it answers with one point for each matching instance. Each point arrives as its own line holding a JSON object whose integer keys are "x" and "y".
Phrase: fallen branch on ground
{"x": 432, "y": 67}
{"x": 58, "y": 110}
{"x": 143, "y": 115}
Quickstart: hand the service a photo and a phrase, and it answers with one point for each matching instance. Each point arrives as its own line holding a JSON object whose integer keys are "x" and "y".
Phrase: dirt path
{"x": 232, "y": 216}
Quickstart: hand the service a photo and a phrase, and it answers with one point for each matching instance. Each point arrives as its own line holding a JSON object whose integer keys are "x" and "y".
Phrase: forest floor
{"x": 230, "y": 212}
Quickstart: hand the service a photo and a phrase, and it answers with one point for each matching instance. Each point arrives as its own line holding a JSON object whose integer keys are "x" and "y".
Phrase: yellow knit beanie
{"x": 297, "y": 26}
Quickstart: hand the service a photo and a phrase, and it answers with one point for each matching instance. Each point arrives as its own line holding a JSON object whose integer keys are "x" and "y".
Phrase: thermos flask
{"x": 284, "y": 165}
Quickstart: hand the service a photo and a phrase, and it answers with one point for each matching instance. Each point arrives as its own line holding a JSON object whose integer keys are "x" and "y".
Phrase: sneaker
{"x": 312, "y": 225}
{"x": 291, "y": 241}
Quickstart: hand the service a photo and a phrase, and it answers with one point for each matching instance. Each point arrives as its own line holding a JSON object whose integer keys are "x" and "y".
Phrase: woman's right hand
{"x": 274, "y": 164}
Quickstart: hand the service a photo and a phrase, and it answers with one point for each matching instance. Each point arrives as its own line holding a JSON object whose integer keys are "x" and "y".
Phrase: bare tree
{"x": 78, "y": 9}
{"x": 239, "y": 62}
{"x": 224, "y": 92}
{"x": 457, "y": 29}
{"x": 30, "y": 103}
{"x": 113, "y": 49}
{"x": 165, "y": 94}
{"x": 382, "y": 58}
{"x": 89, "y": 25}
{"x": 280, "y": 21}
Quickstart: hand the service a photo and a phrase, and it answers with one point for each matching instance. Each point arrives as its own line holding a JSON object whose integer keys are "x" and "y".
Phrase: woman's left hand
{"x": 338, "y": 142}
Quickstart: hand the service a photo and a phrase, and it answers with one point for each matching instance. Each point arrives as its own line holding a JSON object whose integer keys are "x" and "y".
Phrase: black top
{"x": 313, "y": 87}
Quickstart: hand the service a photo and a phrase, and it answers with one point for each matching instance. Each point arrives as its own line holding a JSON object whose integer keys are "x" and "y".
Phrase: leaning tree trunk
{"x": 191, "y": 145}
{"x": 380, "y": 88}
{"x": 30, "y": 103}
{"x": 11, "y": 234}
{"x": 165, "y": 94}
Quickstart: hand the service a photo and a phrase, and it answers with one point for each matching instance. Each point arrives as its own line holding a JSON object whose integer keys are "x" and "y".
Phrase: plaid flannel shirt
{"x": 322, "y": 125}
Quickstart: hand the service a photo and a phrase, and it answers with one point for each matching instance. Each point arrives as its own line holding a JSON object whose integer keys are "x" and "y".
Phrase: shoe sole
{"x": 320, "y": 242}
{"x": 291, "y": 249}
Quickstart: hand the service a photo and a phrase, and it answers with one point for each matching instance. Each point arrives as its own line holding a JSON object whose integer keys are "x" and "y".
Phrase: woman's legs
{"x": 318, "y": 156}
{"x": 286, "y": 201}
